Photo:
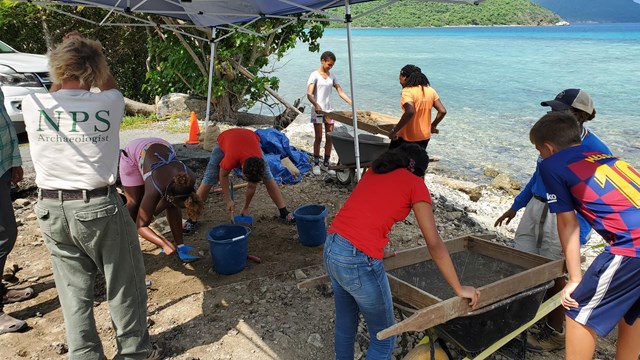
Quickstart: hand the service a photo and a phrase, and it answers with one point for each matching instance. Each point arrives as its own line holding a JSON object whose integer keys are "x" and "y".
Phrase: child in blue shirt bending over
{"x": 605, "y": 190}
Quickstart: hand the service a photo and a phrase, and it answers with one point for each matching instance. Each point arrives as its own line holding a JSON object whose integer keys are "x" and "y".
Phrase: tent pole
{"x": 356, "y": 144}
{"x": 212, "y": 44}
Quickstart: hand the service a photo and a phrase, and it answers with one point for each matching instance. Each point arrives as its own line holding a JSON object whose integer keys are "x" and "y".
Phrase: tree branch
{"x": 189, "y": 49}
{"x": 250, "y": 76}
{"x": 185, "y": 81}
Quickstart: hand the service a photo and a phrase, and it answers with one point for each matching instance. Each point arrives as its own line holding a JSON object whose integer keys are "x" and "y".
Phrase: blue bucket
{"x": 310, "y": 221}
{"x": 229, "y": 249}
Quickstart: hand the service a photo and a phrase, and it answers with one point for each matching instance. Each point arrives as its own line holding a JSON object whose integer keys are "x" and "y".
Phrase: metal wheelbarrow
{"x": 485, "y": 331}
{"x": 370, "y": 146}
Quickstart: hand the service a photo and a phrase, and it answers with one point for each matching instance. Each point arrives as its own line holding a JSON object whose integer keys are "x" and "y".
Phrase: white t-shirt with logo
{"x": 74, "y": 137}
{"x": 322, "y": 89}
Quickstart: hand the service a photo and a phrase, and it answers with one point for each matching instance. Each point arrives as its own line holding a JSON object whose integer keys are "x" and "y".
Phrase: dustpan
{"x": 245, "y": 220}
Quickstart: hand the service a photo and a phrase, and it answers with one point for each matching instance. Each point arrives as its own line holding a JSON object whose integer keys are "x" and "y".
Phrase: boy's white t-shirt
{"x": 322, "y": 89}
{"x": 74, "y": 137}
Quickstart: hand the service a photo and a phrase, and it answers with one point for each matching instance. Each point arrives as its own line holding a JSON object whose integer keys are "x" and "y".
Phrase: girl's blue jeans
{"x": 360, "y": 285}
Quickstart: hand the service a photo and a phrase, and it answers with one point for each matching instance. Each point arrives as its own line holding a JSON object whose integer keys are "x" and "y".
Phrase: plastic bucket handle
{"x": 235, "y": 238}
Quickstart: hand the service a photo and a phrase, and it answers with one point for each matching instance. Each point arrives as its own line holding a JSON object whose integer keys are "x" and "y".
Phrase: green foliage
{"x": 177, "y": 70}
{"x": 172, "y": 64}
{"x": 21, "y": 26}
{"x": 153, "y": 62}
{"x": 416, "y": 13}
{"x": 174, "y": 124}
{"x": 30, "y": 28}
{"x": 135, "y": 122}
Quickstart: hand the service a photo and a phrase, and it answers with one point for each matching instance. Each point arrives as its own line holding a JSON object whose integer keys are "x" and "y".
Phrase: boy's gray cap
{"x": 571, "y": 98}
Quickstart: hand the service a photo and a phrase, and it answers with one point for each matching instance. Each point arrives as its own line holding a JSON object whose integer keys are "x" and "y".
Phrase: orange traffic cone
{"x": 194, "y": 130}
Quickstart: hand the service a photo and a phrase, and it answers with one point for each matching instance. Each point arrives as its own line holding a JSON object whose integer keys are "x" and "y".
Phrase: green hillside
{"x": 416, "y": 13}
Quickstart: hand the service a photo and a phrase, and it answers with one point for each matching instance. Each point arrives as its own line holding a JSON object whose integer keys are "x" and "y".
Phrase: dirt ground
{"x": 258, "y": 313}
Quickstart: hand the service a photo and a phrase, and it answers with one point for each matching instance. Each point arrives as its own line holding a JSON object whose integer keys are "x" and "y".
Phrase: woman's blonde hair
{"x": 78, "y": 58}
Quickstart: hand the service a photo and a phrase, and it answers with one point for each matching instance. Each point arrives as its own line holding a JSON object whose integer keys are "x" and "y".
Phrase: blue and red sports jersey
{"x": 603, "y": 188}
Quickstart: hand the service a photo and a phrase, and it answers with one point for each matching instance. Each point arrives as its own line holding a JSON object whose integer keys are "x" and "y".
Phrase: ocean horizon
{"x": 491, "y": 80}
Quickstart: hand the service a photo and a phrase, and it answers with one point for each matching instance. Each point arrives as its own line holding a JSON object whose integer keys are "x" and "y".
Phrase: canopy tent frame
{"x": 218, "y": 20}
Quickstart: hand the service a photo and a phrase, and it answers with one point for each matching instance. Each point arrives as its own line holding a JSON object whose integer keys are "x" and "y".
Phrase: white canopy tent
{"x": 228, "y": 15}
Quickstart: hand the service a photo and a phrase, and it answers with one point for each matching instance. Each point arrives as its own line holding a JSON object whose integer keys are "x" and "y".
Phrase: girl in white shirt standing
{"x": 319, "y": 87}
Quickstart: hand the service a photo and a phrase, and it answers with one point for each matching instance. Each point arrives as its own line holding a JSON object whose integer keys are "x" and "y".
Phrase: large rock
{"x": 490, "y": 171}
{"x": 472, "y": 189}
{"x": 501, "y": 181}
{"x": 181, "y": 104}
{"x": 504, "y": 182}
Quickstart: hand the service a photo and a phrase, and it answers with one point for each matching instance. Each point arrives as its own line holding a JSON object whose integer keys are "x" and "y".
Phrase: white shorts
{"x": 320, "y": 119}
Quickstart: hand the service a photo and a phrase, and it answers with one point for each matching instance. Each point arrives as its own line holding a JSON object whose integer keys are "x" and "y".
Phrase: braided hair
{"x": 414, "y": 76}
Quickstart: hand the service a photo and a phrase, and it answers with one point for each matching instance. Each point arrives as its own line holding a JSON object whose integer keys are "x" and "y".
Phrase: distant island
{"x": 416, "y": 13}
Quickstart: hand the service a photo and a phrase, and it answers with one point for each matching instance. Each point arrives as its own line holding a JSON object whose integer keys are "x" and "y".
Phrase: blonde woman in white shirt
{"x": 74, "y": 143}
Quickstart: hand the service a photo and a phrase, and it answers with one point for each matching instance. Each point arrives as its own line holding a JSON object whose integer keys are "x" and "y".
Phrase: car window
{"x": 5, "y": 49}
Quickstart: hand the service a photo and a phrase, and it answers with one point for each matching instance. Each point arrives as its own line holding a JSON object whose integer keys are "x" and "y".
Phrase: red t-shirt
{"x": 238, "y": 145}
{"x": 378, "y": 202}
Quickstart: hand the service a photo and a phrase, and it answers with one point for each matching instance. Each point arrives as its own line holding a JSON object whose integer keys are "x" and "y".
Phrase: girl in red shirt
{"x": 354, "y": 248}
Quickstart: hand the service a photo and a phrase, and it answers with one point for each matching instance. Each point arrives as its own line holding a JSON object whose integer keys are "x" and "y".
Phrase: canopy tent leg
{"x": 212, "y": 44}
{"x": 356, "y": 145}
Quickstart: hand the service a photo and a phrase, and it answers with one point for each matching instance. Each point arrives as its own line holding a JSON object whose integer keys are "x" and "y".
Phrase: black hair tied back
{"x": 408, "y": 156}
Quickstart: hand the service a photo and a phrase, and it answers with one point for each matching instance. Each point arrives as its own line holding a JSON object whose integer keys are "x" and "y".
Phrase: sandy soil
{"x": 255, "y": 314}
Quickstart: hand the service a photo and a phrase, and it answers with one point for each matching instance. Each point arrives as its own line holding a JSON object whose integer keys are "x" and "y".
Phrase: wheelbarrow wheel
{"x": 345, "y": 176}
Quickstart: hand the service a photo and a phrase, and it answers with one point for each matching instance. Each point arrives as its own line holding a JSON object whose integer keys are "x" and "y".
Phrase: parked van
{"x": 21, "y": 74}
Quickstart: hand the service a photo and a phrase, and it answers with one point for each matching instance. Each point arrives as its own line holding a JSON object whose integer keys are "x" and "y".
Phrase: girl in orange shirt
{"x": 417, "y": 101}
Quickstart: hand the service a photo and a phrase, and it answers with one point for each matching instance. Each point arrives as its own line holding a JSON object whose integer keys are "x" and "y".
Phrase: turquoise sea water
{"x": 491, "y": 80}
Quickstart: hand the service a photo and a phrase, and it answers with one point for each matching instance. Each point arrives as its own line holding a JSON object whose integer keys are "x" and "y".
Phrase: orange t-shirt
{"x": 419, "y": 127}
{"x": 238, "y": 145}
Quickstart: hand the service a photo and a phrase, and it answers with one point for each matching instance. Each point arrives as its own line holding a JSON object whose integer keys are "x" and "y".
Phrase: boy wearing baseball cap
{"x": 537, "y": 230}
{"x": 580, "y": 104}
{"x": 606, "y": 191}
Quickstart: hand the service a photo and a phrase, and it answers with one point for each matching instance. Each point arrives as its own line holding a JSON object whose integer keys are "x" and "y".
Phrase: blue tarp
{"x": 275, "y": 146}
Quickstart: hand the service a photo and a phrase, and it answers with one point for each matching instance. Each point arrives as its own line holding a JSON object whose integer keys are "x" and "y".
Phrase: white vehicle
{"x": 21, "y": 74}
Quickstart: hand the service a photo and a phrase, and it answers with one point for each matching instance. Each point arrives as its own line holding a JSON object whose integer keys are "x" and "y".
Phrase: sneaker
{"x": 548, "y": 339}
{"x": 316, "y": 169}
{"x": 156, "y": 352}
{"x": 189, "y": 227}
